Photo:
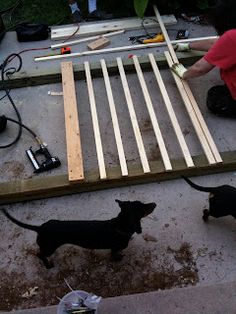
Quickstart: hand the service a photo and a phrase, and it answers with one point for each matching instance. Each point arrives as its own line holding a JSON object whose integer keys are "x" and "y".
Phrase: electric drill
{"x": 157, "y": 39}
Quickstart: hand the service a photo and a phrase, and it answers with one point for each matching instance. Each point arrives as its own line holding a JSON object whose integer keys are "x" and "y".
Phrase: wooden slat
{"x": 189, "y": 94}
{"x": 134, "y": 121}
{"x": 172, "y": 115}
{"x": 82, "y": 40}
{"x": 202, "y": 123}
{"x": 191, "y": 113}
{"x": 156, "y": 128}
{"x": 119, "y": 144}
{"x": 73, "y": 143}
{"x": 91, "y": 28}
{"x": 164, "y": 32}
{"x": 96, "y": 130}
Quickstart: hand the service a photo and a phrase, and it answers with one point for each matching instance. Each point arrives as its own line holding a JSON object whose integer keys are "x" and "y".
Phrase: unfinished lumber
{"x": 82, "y": 40}
{"x": 96, "y": 129}
{"x": 189, "y": 94}
{"x": 202, "y": 123}
{"x": 57, "y": 185}
{"x": 164, "y": 32}
{"x": 122, "y": 48}
{"x": 155, "y": 124}
{"x": 99, "y": 43}
{"x": 91, "y": 28}
{"x": 172, "y": 115}
{"x": 189, "y": 108}
{"x": 119, "y": 144}
{"x": 133, "y": 117}
{"x": 73, "y": 142}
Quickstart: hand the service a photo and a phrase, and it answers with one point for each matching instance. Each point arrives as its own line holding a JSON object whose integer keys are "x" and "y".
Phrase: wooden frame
{"x": 48, "y": 186}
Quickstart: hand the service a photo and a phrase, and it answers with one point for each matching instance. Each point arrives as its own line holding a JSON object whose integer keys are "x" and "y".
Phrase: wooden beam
{"x": 96, "y": 130}
{"x": 170, "y": 110}
{"x": 52, "y": 75}
{"x": 193, "y": 118}
{"x": 133, "y": 117}
{"x": 155, "y": 124}
{"x": 58, "y": 185}
{"x": 91, "y": 28}
{"x": 82, "y": 40}
{"x": 73, "y": 143}
{"x": 119, "y": 144}
{"x": 202, "y": 123}
{"x": 187, "y": 91}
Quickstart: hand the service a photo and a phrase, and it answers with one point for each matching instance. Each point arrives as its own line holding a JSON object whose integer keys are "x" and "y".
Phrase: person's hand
{"x": 178, "y": 69}
{"x": 182, "y": 47}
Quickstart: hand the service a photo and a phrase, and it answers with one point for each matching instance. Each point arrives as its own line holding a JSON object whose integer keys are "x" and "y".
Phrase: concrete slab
{"x": 176, "y": 249}
{"x": 217, "y": 299}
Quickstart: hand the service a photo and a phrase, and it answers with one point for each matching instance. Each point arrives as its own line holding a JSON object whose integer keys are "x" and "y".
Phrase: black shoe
{"x": 99, "y": 15}
{"x": 77, "y": 17}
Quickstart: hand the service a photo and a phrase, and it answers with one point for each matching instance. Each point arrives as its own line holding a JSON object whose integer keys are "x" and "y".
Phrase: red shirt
{"x": 223, "y": 55}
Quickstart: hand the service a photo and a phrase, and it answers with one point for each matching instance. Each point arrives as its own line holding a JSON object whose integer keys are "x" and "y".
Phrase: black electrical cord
{"x": 8, "y": 72}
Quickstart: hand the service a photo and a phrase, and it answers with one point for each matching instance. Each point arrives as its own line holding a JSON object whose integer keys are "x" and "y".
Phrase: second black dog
{"x": 222, "y": 200}
{"x": 113, "y": 234}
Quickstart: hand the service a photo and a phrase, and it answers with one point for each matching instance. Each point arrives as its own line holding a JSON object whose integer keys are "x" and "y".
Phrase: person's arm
{"x": 201, "y": 45}
{"x": 199, "y": 68}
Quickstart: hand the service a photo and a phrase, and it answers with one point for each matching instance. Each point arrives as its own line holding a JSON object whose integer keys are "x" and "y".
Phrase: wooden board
{"x": 91, "y": 28}
{"x": 52, "y": 75}
{"x": 133, "y": 117}
{"x": 96, "y": 129}
{"x": 155, "y": 124}
{"x": 73, "y": 143}
{"x": 51, "y": 185}
{"x": 172, "y": 115}
{"x": 119, "y": 144}
{"x": 195, "y": 114}
{"x": 99, "y": 43}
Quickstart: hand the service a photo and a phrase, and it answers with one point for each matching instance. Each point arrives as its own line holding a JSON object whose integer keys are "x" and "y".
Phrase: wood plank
{"x": 164, "y": 32}
{"x": 52, "y": 75}
{"x": 189, "y": 94}
{"x": 96, "y": 129}
{"x": 82, "y": 40}
{"x": 91, "y": 28}
{"x": 189, "y": 108}
{"x": 133, "y": 117}
{"x": 73, "y": 142}
{"x": 98, "y": 43}
{"x": 152, "y": 114}
{"x": 202, "y": 123}
{"x": 58, "y": 185}
{"x": 119, "y": 144}
{"x": 172, "y": 115}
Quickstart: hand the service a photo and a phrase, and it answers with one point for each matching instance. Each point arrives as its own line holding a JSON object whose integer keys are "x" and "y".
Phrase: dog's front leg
{"x": 48, "y": 264}
{"x": 116, "y": 255}
{"x": 206, "y": 214}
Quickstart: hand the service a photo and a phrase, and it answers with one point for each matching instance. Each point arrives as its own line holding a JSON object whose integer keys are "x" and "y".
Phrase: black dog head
{"x": 132, "y": 213}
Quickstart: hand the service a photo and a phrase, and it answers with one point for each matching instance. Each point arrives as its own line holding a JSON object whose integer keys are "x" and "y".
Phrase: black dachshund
{"x": 222, "y": 200}
{"x": 113, "y": 234}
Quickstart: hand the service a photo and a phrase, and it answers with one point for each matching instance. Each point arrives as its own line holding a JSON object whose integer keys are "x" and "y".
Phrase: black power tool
{"x": 49, "y": 162}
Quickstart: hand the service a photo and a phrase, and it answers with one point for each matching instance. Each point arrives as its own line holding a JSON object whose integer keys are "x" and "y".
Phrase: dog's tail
{"x": 199, "y": 187}
{"x": 19, "y": 223}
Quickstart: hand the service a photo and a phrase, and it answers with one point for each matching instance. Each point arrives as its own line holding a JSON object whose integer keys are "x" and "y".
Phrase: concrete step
{"x": 213, "y": 299}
